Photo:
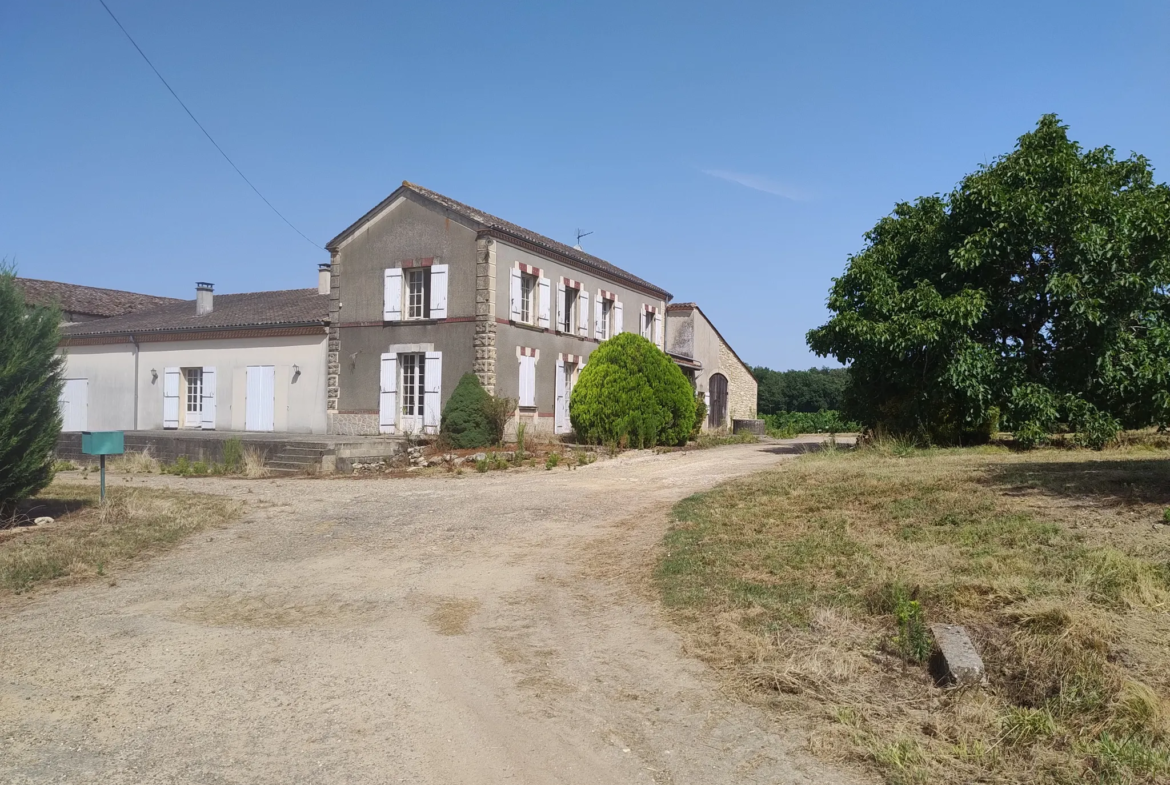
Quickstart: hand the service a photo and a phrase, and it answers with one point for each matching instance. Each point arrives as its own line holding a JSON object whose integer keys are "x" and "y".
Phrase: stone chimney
{"x": 324, "y": 271}
{"x": 203, "y": 298}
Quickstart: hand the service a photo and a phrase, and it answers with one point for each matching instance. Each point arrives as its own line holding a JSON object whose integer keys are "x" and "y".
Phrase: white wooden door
{"x": 74, "y": 402}
{"x": 260, "y": 398}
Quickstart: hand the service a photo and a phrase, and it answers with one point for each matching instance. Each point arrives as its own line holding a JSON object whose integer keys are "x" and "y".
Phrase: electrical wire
{"x": 201, "y": 128}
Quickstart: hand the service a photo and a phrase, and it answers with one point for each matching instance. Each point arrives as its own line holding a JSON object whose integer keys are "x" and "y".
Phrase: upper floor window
{"x": 569, "y": 318}
{"x": 606, "y": 319}
{"x": 527, "y": 298}
{"x": 418, "y": 293}
{"x": 417, "y": 290}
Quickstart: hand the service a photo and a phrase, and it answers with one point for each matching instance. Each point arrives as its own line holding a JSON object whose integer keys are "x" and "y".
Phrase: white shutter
{"x": 388, "y": 398}
{"x": 560, "y": 410}
{"x": 543, "y": 301}
{"x": 617, "y": 317}
{"x": 527, "y": 381}
{"x": 267, "y": 398}
{"x": 583, "y": 313}
{"x": 560, "y": 306}
{"x": 433, "y": 392}
{"x": 642, "y": 324}
{"x": 170, "y": 397}
{"x": 659, "y": 338}
{"x": 208, "y": 423}
{"x": 598, "y": 309}
{"x": 515, "y": 289}
{"x": 392, "y": 295}
{"x": 439, "y": 291}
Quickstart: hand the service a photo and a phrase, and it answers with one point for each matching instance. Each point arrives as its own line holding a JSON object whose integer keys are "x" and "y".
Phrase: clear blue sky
{"x": 734, "y": 153}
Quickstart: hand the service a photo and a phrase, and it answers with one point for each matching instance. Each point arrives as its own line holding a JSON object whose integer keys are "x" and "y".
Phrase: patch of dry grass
{"x": 451, "y": 615}
{"x": 788, "y": 581}
{"x": 254, "y": 464}
{"x": 89, "y": 539}
{"x": 133, "y": 463}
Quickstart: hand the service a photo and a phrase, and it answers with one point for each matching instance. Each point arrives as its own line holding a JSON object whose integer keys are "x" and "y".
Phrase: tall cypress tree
{"x": 30, "y": 384}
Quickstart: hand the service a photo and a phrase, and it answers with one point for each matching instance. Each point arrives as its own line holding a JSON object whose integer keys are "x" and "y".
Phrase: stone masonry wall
{"x": 485, "y": 313}
{"x": 741, "y": 385}
{"x": 333, "y": 369}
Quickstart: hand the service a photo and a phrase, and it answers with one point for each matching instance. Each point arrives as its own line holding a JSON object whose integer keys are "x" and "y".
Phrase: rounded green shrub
{"x": 631, "y": 393}
{"x": 465, "y": 421}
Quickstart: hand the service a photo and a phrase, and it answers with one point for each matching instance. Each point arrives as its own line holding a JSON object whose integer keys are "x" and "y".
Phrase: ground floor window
{"x": 194, "y": 396}
{"x": 414, "y": 369}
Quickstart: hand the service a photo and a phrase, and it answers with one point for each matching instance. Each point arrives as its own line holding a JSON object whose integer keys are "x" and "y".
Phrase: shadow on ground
{"x": 1143, "y": 481}
{"x": 30, "y": 509}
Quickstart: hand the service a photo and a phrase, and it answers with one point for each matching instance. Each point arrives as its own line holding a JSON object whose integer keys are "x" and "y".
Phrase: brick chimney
{"x": 203, "y": 298}
{"x": 324, "y": 271}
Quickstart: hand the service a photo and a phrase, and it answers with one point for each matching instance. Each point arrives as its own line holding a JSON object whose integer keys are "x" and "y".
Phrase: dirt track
{"x": 472, "y": 629}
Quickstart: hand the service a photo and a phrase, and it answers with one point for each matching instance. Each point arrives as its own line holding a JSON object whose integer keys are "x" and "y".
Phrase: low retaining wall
{"x": 327, "y": 454}
{"x": 758, "y": 427}
{"x": 166, "y": 448}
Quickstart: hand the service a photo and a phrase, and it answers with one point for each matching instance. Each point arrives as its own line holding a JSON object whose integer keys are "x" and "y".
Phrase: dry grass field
{"x": 87, "y": 539}
{"x": 811, "y": 588}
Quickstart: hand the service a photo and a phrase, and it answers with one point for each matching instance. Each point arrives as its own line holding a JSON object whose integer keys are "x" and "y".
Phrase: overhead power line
{"x": 130, "y": 38}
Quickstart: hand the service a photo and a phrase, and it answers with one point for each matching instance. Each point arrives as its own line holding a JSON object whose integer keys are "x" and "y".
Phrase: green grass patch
{"x": 813, "y": 587}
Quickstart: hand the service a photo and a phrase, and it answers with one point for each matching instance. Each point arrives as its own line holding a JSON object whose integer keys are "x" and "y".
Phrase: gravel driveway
{"x": 459, "y": 629}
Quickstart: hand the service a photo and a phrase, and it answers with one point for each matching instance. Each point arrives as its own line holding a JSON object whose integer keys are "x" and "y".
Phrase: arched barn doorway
{"x": 717, "y": 409}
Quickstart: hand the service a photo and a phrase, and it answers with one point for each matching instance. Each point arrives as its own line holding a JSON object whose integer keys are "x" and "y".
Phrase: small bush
{"x": 481, "y": 465}
{"x": 64, "y": 466}
{"x": 254, "y": 463}
{"x": 520, "y": 430}
{"x": 912, "y": 641}
{"x": 552, "y": 460}
{"x": 631, "y": 390}
{"x": 700, "y": 415}
{"x": 233, "y": 455}
{"x": 465, "y": 423}
{"x": 499, "y": 411}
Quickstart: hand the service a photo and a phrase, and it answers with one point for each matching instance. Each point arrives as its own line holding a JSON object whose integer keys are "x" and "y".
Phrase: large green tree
{"x": 30, "y": 385}
{"x": 1039, "y": 288}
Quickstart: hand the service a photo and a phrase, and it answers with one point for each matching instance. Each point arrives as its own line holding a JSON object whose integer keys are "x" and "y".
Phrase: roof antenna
{"x": 581, "y": 234}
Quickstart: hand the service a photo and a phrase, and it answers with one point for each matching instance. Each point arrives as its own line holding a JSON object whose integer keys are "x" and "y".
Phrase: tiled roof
{"x": 87, "y": 300}
{"x": 251, "y": 309}
{"x": 489, "y": 221}
{"x": 682, "y": 306}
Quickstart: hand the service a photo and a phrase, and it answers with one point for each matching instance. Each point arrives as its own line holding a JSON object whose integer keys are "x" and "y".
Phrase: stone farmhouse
{"x": 726, "y": 382}
{"x": 419, "y": 291}
{"x": 426, "y": 289}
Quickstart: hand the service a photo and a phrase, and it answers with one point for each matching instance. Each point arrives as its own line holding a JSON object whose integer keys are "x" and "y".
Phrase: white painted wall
{"x": 300, "y": 398}
{"x": 110, "y": 372}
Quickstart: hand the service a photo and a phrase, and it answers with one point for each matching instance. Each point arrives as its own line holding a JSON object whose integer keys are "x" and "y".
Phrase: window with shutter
{"x": 583, "y": 314}
{"x": 543, "y": 301}
{"x": 514, "y": 291}
{"x": 392, "y": 295}
{"x": 171, "y": 397}
{"x": 439, "y": 291}
{"x": 527, "y": 381}
{"x": 388, "y": 393}
{"x": 208, "y": 423}
{"x": 433, "y": 389}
